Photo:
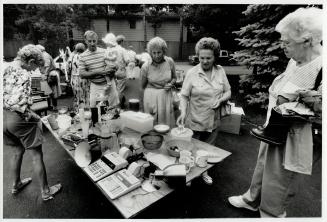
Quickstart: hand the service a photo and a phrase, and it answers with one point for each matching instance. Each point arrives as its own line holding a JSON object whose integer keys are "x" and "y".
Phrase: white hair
{"x": 302, "y": 24}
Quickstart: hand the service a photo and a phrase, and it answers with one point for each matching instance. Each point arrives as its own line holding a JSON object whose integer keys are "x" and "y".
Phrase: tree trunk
{"x": 32, "y": 33}
{"x": 181, "y": 36}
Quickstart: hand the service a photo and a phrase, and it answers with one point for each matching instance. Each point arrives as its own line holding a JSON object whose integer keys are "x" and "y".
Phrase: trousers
{"x": 272, "y": 186}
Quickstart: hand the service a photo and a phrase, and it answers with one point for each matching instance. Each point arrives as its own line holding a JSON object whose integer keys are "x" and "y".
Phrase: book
{"x": 106, "y": 165}
{"x": 119, "y": 183}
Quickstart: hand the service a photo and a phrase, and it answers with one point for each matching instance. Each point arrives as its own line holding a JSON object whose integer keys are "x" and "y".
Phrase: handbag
{"x": 225, "y": 109}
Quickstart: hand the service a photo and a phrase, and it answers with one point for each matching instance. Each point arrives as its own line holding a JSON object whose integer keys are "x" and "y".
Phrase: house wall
{"x": 169, "y": 31}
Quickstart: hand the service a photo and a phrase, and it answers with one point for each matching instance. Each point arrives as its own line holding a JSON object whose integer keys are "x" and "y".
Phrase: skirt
{"x": 159, "y": 103}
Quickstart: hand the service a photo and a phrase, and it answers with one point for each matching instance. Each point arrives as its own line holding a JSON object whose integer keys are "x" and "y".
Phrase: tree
{"x": 261, "y": 50}
{"x": 217, "y": 21}
{"x": 48, "y": 23}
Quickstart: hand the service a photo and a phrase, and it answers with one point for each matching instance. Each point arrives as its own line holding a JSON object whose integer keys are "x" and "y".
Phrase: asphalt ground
{"x": 80, "y": 199}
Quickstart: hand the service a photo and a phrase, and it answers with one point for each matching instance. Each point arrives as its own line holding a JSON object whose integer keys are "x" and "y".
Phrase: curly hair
{"x": 208, "y": 43}
{"x": 302, "y": 24}
{"x": 120, "y": 39}
{"x": 28, "y": 52}
{"x": 90, "y": 33}
{"x": 157, "y": 42}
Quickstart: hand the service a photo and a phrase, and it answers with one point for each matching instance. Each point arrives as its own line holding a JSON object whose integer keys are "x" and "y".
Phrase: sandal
{"x": 21, "y": 185}
{"x": 52, "y": 191}
{"x": 207, "y": 179}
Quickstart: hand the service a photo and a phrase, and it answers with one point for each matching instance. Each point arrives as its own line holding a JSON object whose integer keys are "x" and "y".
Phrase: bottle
{"x": 105, "y": 139}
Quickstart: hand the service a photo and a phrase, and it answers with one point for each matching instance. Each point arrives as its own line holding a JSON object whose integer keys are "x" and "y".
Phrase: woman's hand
{"x": 216, "y": 104}
{"x": 181, "y": 119}
{"x": 168, "y": 86}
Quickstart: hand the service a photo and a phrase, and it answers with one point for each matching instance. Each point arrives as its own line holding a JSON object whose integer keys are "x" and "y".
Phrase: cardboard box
{"x": 232, "y": 123}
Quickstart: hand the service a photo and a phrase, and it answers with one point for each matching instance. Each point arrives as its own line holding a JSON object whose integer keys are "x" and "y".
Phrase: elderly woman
{"x": 204, "y": 89}
{"x": 278, "y": 168}
{"x": 80, "y": 86}
{"x": 157, "y": 79}
{"x": 22, "y": 129}
{"x": 52, "y": 75}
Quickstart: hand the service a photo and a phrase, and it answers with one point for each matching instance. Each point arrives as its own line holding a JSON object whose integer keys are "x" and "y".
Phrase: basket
{"x": 174, "y": 146}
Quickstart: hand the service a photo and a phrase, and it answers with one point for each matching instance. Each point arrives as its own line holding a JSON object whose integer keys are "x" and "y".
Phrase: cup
{"x": 188, "y": 161}
{"x": 201, "y": 158}
{"x": 53, "y": 122}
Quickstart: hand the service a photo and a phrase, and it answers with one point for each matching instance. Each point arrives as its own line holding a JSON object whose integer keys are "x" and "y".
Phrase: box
{"x": 138, "y": 121}
{"x": 232, "y": 123}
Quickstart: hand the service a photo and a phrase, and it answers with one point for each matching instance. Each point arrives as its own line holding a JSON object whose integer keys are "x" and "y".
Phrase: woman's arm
{"x": 144, "y": 79}
{"x": 173, "y": 74}
{"x": 183, "y": 107}
{"x": 226, "y": 96}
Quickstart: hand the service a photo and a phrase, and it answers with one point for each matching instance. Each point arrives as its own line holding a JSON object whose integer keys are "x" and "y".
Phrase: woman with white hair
{"x": 158, "y": 77}
{"x": 278, "y": 168}
{"x": 22, "y": 128}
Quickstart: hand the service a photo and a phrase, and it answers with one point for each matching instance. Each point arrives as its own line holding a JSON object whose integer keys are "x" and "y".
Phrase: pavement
{"x": 80, "y": 199}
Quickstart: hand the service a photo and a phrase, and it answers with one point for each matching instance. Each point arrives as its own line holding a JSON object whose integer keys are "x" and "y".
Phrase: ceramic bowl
{"x": 152, "y": 141}
{"x": 161, "y": 128}
{"x": 174, "y": 146}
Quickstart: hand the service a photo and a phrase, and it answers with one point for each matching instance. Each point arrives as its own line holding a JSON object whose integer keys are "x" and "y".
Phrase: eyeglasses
{"x": 288, "y": 43}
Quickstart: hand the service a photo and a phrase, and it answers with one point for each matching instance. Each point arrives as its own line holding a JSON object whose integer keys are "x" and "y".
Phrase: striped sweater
{"x": 93, "y": 61}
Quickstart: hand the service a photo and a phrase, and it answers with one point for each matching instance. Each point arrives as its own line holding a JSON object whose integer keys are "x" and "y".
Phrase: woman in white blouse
{"x": 278, "y": 168}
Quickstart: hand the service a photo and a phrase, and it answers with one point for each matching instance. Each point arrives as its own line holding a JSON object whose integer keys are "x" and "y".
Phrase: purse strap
{"x": 318, "y": 80}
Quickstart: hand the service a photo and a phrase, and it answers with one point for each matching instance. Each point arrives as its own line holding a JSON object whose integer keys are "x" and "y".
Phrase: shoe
{"x": 237, "y": 201}
{"x": 206, "y": 178}
{"x": 21, "y": 185}
{"x": 52, "y": 191}
{"x": 262, "y": 135}
{"x": 189, "y": 184}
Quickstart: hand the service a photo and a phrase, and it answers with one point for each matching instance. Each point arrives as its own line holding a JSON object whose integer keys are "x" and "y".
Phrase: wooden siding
{"x": 168, "y": 30}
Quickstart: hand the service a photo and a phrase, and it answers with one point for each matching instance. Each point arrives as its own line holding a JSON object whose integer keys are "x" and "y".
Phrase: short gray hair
{"x": 208, "y": 43}
{"x": 302, "y": 24}
{"x": 90, "y": 33}
{"x": 157, "y": 42}
{"x": 28, "y": 52}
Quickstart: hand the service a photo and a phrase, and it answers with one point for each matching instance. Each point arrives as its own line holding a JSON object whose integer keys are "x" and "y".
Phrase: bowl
{"x": 174, "y": 146}
{"x": 161, "y": 128}
{"x": 152, "y": 141}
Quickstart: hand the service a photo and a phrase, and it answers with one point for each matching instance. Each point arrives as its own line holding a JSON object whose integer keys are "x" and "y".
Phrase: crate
{"x": 36, "y": 83}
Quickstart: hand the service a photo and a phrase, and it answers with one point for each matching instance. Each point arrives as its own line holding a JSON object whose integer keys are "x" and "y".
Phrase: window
{"x": 132, "y": 24}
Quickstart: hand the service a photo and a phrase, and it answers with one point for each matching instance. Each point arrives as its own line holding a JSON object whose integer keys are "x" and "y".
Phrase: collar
{"x": 156, "y": 64}
{"x": 201, "y": 72}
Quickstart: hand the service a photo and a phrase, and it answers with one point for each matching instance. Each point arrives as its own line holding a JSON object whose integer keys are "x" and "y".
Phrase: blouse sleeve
{"x": 17, "y": 89}
{"x": 225, "y": 81}
{"x": 187, "y": 85}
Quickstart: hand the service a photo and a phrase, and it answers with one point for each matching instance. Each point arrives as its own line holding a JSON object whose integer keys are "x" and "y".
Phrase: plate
{"x": 161, "y": 128}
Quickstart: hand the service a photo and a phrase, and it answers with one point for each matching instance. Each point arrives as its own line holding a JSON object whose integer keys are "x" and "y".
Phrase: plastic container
{"x": 64, "y": 121}
{"x": 181, "y": 133}
{"x": 141, "y": 122}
